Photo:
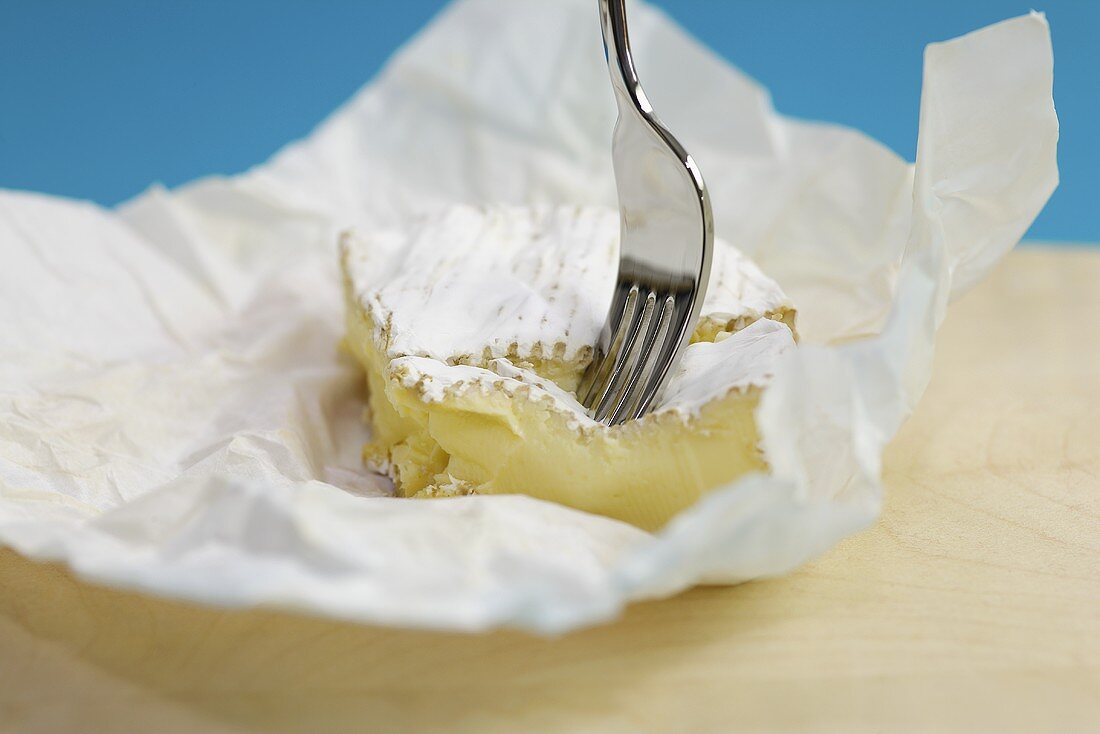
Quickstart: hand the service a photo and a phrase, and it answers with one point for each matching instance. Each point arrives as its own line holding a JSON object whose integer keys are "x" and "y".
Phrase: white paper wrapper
{"x": 175, "y": 416}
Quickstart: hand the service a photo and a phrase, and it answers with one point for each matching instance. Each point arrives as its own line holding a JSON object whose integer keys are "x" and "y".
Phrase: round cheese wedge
{"x": 475, "y": 326}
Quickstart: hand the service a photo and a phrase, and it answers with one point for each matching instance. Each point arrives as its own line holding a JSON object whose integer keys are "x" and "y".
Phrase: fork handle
{"x": 629, "y": 95}
{"x": 620, "y": 62}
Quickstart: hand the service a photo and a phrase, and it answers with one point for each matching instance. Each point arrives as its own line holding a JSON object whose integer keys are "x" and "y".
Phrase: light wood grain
{"x": 973, "y": 605}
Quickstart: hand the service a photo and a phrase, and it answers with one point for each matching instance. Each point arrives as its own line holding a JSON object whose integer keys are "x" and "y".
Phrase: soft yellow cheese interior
{"x": 488, "y": 442}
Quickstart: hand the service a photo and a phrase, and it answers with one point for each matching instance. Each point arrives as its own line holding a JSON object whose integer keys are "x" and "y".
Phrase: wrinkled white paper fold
{"x": 175, "y": 417}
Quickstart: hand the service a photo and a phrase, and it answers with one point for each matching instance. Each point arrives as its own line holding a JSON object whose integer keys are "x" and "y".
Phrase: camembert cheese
{"x": 474, "y": 327}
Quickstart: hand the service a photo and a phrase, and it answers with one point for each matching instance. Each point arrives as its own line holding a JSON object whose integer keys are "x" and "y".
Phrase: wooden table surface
{"x": 973, "y": 605}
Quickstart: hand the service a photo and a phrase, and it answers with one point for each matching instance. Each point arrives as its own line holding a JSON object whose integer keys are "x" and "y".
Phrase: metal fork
{"x": 666, "y": 241}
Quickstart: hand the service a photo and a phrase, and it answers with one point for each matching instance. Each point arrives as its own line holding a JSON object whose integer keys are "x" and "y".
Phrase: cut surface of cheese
{"x": 475, "y": 325}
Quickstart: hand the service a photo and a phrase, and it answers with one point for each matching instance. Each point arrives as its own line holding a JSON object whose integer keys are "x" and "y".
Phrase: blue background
{"x": 98, "y": 99}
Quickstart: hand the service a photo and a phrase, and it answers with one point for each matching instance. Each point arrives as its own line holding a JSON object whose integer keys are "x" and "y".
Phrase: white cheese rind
{"x": 708, "y": 371}
{"x": 470, "y": 285}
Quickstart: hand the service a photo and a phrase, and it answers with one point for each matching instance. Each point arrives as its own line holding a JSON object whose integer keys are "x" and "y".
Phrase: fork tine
{"x": 627, "y": 356}
{"x": 678, "y": 322}
{"x": 621, "y": 314}
{"x": 645, "y": 364}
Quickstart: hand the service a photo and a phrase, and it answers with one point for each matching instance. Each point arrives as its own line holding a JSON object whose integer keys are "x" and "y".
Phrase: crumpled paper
{"x": 175, "y": 416}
